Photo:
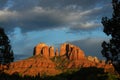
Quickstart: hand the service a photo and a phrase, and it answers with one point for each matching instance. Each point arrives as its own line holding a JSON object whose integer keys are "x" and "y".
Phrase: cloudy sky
{"x": 29, "y": 22}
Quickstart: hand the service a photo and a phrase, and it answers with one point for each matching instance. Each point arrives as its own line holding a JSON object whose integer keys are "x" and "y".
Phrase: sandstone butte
{"x": 72, "y": 52}
{"x": 49, "y": 61}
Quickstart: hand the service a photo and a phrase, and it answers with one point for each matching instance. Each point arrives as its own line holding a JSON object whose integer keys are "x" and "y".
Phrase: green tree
{"x": 6, "y": 53}
{"x": 111, "y": 49}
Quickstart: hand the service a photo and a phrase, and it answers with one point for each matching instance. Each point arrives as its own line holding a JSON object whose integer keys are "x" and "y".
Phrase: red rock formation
{"x": 41, "y": 65}
{"x": 33, "y": 66}
{"x": 45, "y": 51}
{"x": 71, "y": 51}
{"x": 51, "y": 52}
{"x": 38, "y": 49}
{"x": 93, "y": 59}
{"x": 80, "y": 54}
{"x": 71, "y": 57}
{"x": 63, "y": 49}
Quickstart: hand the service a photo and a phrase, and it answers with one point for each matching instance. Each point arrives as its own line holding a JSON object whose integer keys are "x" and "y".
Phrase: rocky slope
{"x": 48, "y": 61}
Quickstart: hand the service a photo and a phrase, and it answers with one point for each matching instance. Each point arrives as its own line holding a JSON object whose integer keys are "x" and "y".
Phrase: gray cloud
{"x": 91, "y": 19}
{"x": 23, "y": 5}
{"x": 32, "y": 15}
{"x": 58, "y": 4}
{"x": 2, "y": 3}
{"x": 36, "y": 19}
{"x": 80, "y": 4}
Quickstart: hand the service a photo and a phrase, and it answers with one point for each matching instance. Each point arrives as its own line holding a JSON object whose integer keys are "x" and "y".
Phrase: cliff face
{"x": 72, "y": 52}
{"x": 44, "y": 50}
{"x": 46, "y": 61}
{"x": 51, "y": 52}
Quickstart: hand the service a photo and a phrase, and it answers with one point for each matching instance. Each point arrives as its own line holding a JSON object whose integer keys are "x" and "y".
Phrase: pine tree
{"x": 111, "y": 49}
{"x": 6, "y": 53}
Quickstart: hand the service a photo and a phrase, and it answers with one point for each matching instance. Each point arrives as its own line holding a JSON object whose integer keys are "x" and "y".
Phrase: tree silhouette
{"x": 111, "y": 49}
{"x": 6, "y": 53}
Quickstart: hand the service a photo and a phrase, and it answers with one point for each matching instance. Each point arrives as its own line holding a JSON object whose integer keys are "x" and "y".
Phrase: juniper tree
{"x": 6, "y": 53}
{"x": 111, "y": 49}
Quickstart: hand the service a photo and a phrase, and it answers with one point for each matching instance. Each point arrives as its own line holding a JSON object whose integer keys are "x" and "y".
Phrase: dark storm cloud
{"x": 23, "y": 5}
{"x": 91, "y": 46}
{"x": 61, "y": 4}
{"x": 35, "y": 19}
{"x": 49, "y": 14}
{"x": 80, "y": 4}
{"x": 2, "y": 3}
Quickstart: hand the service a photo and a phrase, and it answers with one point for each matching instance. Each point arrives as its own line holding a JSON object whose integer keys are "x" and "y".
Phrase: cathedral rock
{"x": 72, "y": 52}
{"x": 47, "y": 60}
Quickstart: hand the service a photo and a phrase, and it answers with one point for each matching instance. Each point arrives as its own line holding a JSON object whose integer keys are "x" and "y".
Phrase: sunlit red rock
{"x": 93, "y": 59}
{"x": 63, "y": 49}
{"x": 45, "y": 61}
{"x": 45, "y": 51}
{"x": 81, "y": 54}
{"x": 38, "y": 49}
{"x": 71, "y": 51}
{"x": 51, "y": 52}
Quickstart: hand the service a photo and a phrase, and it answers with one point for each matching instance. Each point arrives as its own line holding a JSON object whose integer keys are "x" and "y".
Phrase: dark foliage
{"x": 6, "y": 53}
{"x": 111, "y": 49}
{"x": 90, "y": 73}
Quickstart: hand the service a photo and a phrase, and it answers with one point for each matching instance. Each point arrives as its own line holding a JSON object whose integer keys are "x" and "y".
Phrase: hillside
{"x": 47, "y": 62}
